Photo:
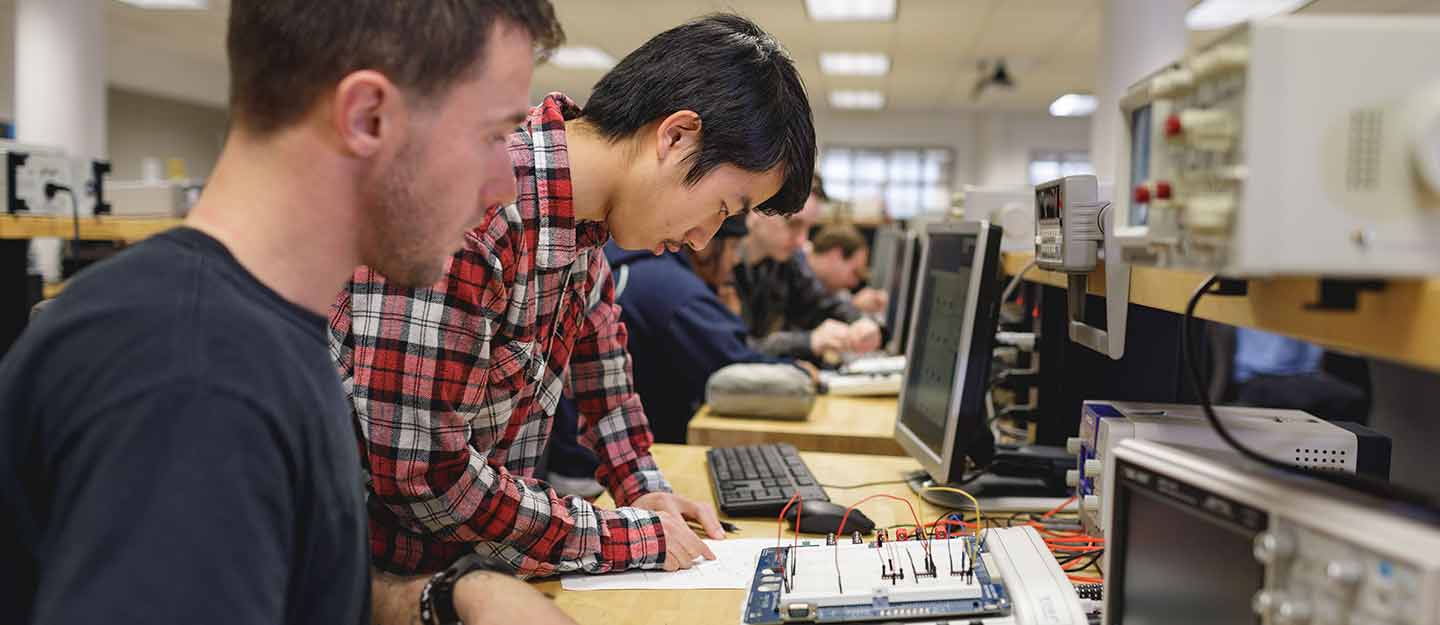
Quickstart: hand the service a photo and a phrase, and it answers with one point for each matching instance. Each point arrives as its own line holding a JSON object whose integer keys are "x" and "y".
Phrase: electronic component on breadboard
{"x": 910, "y": 578}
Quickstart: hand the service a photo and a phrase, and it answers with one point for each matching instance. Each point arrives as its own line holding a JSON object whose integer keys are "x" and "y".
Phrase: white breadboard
{"x": 897, "y": 571}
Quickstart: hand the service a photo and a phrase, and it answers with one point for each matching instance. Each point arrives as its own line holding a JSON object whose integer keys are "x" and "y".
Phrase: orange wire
{"x": 1058, "y": 508}
{"x": 1083, "y": 579}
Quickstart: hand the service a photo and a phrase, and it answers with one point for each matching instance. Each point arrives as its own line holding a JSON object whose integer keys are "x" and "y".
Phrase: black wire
{"x": 51, "y": 189}
{"x": 1094, "y": 557}
{"x": 1092, "y": 553}
{"x": 865, "y": 485}
{"x": 1361, "y": 483}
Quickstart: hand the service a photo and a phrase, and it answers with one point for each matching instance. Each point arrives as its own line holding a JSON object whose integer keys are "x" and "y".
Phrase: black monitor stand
{"x": 1024, "y": 472}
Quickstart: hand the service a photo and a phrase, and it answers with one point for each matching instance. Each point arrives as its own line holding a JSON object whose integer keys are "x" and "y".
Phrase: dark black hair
{"x": 285, "y": 53}
{"x": 753, "y": 110}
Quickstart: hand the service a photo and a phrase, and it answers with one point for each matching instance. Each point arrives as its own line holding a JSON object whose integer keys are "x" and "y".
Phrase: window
{"x": 905, "y": 182}
{"x": 1047, "y": 165}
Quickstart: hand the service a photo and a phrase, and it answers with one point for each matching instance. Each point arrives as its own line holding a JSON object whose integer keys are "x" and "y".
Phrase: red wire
{"x": 1085, "y": 579}
{"x": 780, "y": 521}
{"x": 918, "y": 525}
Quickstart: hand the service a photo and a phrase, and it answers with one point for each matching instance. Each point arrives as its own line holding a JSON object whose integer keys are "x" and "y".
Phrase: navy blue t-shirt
{"x": 175, "y": 447}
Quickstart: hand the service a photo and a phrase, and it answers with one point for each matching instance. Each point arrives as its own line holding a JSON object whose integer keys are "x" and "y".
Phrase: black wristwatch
{"x": 437, "y": 601}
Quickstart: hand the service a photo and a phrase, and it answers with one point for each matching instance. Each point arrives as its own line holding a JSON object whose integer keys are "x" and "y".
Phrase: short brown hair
{"x": 845, "y": 237}
{"x": 817, "y": 187}
{"x": 285, "y": 53}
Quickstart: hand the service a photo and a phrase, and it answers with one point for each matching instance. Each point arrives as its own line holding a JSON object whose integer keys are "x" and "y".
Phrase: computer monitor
{"x": 942, "y": 418}
{"x": 891, "y": 270}
{"x": 884, "y": 257}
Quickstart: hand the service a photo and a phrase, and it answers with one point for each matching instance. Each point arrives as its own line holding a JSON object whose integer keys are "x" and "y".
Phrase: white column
{"x": 60, "y": 86}
{"x": 1136, "y": 37}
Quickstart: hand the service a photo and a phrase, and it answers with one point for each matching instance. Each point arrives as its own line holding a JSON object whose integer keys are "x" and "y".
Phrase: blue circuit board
{"x": 765, "y": 604}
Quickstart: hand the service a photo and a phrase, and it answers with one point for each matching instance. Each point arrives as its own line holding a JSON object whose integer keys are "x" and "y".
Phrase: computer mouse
{"x": 823, "y": 517}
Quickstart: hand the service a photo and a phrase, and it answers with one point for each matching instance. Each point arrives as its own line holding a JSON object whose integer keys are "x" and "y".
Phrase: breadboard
{"x": 894, "y": 580}
{"x": 897, "y": 571}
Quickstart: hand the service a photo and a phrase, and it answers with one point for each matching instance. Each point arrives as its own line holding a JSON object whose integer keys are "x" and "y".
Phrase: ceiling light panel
{"x": 851, "y": 10}
{"x": 183, "y": 5}
{"x": 1073, "y": 105}
{"x": 582, "y": 57}
{"x": 861, "y": 100}
{"x": 854, "y": 63}
{"x": 1218, "y": 14}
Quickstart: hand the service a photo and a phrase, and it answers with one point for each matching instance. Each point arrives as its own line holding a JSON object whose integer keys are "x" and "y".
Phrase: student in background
{"x": 840, "y": 259}
{"x": 454, "y": 386}
{"x": 1275, "y": 371}
{"x": 175, "y": 444}
{"x": 787, "y": 309}
{"x": 681, "y": 331}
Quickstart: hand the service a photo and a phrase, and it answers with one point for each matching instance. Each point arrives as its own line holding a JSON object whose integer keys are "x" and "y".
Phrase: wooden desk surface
{"x": 859, "y": 425}
{"x": 1395, "y": 324}
{"x": 684, "y": 466}
{"x": 105, "y": 228}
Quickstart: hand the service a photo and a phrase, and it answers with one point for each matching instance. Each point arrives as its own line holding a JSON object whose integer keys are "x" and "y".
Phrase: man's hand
{"x": 829, "y": 336}
{"x": 864, "y": 336}
{"x": 682, "y": 546}
{"x": 870, "y": 300}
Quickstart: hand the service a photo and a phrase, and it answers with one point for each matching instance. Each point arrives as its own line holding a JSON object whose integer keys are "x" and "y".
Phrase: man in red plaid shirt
{"x": 454, "y": 386}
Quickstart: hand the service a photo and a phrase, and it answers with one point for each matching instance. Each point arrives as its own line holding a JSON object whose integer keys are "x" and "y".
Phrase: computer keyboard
{"x": 863, "y": 384}
{"x": 757, "y": 480}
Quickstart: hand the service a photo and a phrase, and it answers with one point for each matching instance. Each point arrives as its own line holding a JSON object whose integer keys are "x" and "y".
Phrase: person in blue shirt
{"x": 682, "y": 329}
{"x": 682, "y": 314}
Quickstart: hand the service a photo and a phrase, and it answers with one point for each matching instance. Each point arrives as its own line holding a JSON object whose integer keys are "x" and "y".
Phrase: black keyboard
{"x": 757, "y": 480}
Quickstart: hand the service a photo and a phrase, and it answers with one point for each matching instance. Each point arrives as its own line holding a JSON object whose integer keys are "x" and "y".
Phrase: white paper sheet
{"x": 733, "y": 566}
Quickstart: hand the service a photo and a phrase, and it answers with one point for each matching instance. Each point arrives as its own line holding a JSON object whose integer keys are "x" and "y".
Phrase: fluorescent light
{"x": 582, "y": 57}
{"x": 857, "y": 99}
{"x": 854, "y": 63}
{"x": 187, "y": 5}
{"x": 851, "y": 10}
{"x": 1218, "y": 14}
{"x": 1073, "y": 105}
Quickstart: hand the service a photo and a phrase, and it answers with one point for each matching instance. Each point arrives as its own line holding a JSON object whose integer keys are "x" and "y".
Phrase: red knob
{"x": 1162, "y": 190}
{"x": 1172, "y": 126}
{"x": 1142, "y": 194}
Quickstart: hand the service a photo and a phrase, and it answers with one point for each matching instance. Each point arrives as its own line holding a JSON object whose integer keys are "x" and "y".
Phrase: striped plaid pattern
{"x": 454, "y": 388}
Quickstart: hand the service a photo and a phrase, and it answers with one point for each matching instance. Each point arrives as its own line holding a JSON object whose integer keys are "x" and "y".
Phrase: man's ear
{"x": 367, "y": 111}
{"x": 677, "y": 135}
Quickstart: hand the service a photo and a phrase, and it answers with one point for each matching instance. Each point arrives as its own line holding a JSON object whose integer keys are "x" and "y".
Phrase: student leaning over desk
{"x": 454, "y": 386}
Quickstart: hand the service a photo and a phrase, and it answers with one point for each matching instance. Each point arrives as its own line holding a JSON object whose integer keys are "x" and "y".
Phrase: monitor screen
{"x": 884, "y": 258}
{"x": 904, "y": 293}
{"x": 944, "y": 283}
{"x": 1184, "y": 556}
{"x": 1139, "y": 161}
{"x": 887, "y": 269}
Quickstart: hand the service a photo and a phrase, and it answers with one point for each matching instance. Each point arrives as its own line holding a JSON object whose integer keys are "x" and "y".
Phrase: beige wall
{"x": 903, "y": 130}
{"x": 990, "y": 148}
{"x": 7, "y": 60}
{"x": 1007, "y": 139}
{"x": 140, "y": 125}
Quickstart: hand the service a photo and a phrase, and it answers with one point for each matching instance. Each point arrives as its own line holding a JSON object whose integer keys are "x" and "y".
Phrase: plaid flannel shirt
{"x": 454, "y": 388}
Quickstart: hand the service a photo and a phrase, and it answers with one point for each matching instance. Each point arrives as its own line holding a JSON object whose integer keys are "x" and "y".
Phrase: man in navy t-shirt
{"x": 175, "y": 445}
